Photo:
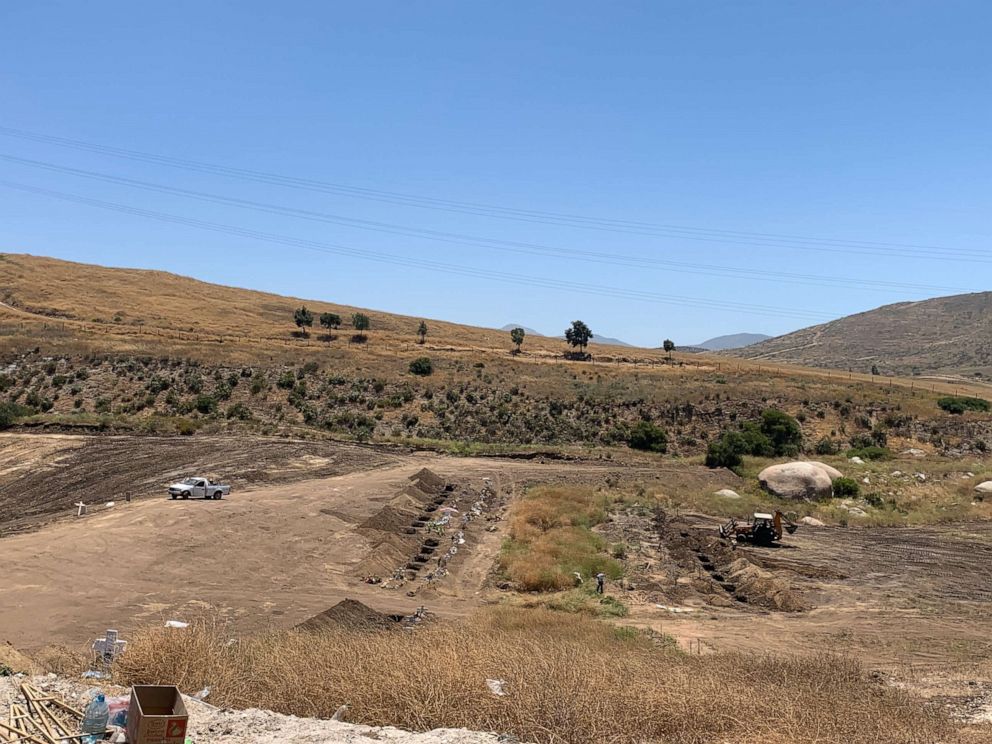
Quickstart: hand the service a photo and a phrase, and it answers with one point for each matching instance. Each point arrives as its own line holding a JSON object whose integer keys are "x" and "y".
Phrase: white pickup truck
{"x": 198, "y": 488}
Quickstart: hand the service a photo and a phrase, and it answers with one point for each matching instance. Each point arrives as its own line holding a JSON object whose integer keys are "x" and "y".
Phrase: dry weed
{"x": 568, "y": 679}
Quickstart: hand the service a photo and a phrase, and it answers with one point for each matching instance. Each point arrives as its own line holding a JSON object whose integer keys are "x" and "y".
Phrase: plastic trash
{"x": 203, "y": 694}
{"x": 92, "y": 674}
{"x": 176, "y": 624}
{"x": 118, "y": 708}
{"x": 96, "y": 715}
{"x": 496, "y": 686}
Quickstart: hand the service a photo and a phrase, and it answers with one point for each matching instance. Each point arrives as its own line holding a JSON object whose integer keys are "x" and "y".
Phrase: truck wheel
{"x": 185, "y": 494}
{"x": 218, "y": 495}
{"x": 174, "y": 496}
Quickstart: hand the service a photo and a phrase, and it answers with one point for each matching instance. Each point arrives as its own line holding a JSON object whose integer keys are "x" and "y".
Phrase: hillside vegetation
{"x": 93, "y": 348}
{"x": 942, "y": 336}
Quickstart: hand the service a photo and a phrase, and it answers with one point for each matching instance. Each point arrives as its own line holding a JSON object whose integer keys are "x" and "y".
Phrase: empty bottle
{"x": 96, "y": 715}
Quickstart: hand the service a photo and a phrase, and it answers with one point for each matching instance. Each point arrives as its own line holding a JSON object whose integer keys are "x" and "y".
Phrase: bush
{"x": 421, "y": 366}
{"x": 844, "y": 486}
{"x": 205, "y": 404}
{"x": 827, "y": 446}
{"x": 239, "y": 411}
{"x": 871, "y": 453}
{"x": 959, "y": 404}
{"x": 648, "y": 437}
{"x": 728, "y": 451}
{"x": 784, "y": 431}
{"x": 9, "y": 413}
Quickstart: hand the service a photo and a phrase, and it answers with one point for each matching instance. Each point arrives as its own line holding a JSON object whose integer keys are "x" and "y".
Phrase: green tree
{"x": 669, "y": 347}
{"x": 361, "y": 323}
{"x": 422, "y": 331}
{"x": 784, "y": 431}
{"x": 517, "y": 336}
{"x": 874, "y": 370}
{"x": 728, "y": 451}
{"x": 303, "y": 318}
{"x": 578, "y": 335}
{"x": 330, "y": 321}
{"x": 646, "y": 436}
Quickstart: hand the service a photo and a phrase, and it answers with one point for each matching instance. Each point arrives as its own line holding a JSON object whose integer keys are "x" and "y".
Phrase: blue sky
{"x": 861, "y": 123}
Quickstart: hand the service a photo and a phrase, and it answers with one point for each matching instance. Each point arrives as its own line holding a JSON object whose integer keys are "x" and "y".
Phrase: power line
{"x": 736, "y": 237}
{"x": 434, "y": 266}
{"x": 597, "y": 257}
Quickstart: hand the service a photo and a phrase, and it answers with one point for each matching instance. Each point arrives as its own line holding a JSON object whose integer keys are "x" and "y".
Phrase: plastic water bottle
{"x": 96, "y": 715}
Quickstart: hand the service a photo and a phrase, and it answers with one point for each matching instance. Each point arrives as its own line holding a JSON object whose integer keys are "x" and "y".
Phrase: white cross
{"x": 80, "y": 508}
{"x": 109, "y": 646}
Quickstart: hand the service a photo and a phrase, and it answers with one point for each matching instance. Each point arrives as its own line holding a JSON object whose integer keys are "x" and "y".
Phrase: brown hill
{"x": 90, "y": 348}
{"x": 943, "y": 336}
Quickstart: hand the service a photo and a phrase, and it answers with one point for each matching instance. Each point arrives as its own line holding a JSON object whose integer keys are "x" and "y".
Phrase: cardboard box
{"x": 157, "y": 715}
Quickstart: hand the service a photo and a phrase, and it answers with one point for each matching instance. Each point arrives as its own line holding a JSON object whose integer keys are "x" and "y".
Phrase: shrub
{"x": 239, "y": 411}
{"x": 784, "y": 431}
{"x": 205, "y": 404}
{"x": 9, "y": 413}
{"x": 844, "y": 486}
{"x": 870, "y": 453}
{"x": 728, "y": 451}
{"x": 287, "y": 380}
{"x": 959, "y": 404}
{"x": 827, "y": 446}
{"x": 648, "y": 437}
{"x": 421, "y": 366}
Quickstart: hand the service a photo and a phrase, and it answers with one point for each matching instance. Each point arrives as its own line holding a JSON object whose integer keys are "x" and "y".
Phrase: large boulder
{"x": 984, "y": 488}
{"x": 796, "y": 480}
{"x": 832, "y": 472}
{"x": 726, "y": 493}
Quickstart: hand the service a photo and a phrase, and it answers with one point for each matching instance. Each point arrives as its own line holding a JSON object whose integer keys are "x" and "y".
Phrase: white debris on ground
{"x": 212, "y": 725}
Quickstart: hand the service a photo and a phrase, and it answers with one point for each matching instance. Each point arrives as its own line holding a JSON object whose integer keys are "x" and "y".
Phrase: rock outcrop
{"x": 796, "y": 480}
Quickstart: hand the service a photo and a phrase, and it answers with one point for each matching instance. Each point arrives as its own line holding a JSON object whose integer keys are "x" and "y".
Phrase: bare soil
{"x": 318, "y": 522}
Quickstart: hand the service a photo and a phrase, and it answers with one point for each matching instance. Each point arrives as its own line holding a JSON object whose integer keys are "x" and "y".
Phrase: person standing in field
{"x": 600, "y": 582}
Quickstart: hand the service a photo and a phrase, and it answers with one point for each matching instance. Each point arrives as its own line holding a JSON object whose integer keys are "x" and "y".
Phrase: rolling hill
{"x": 941, "y": 336}
{"x": 85, "y": 347}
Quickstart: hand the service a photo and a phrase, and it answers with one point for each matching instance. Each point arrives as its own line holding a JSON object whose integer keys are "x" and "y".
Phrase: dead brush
{"x": 568, "y": 679}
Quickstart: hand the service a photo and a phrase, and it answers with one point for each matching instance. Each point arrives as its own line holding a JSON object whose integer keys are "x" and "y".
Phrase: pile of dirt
{"x": 721, "y": 573}
{"x": 348, "y": 614}
{"x": 428, "y": 481}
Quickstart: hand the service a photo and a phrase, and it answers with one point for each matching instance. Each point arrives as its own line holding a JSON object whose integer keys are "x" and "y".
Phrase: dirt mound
{"x": 350, "y": 614}
{"x": 428, "y": 481}
{"x": 722, "y": 572}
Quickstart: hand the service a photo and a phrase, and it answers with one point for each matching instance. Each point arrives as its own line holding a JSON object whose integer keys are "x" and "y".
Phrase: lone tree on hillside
{"x": 517, "y": 336}
{"x": 874, "y": 370}
{"x": 422, "y": 331}
{"x": 669, "y": 346}
{"x": 303, "y": 319}
{"x": 361, "y": 323}
{"x": 578, "y": 335}
{"x": 330, "y": 321}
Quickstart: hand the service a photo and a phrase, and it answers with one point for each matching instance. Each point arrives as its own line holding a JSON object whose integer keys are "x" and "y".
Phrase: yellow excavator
{"x": 761, "y": 529}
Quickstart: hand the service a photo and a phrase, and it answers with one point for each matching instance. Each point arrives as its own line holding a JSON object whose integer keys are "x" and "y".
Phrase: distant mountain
{"x": 944, "y": 335}
{"x": 595, "y": 339}
{"x": 733, "y": 341}
{"x": 529, "y": 331}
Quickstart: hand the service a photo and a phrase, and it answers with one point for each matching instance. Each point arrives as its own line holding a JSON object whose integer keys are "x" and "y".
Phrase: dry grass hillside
{"x": 942, "y": 336}
{"x": 87, "y": 347}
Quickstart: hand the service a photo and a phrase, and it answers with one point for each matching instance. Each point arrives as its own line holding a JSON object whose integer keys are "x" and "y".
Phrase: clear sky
{"x": 854, "y": 123}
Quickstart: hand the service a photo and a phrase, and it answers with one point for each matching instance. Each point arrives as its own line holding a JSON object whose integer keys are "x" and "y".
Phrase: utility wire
{"x": 597, "y": 257}
{"x": 433, "y": 266}
{"x": 737, "y": 237}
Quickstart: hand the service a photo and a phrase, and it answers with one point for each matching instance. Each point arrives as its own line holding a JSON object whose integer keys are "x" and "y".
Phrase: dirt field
{"x": 913, "y": 603}
{"x": 269, "y": 555}
{"x": 41, "y": 477}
